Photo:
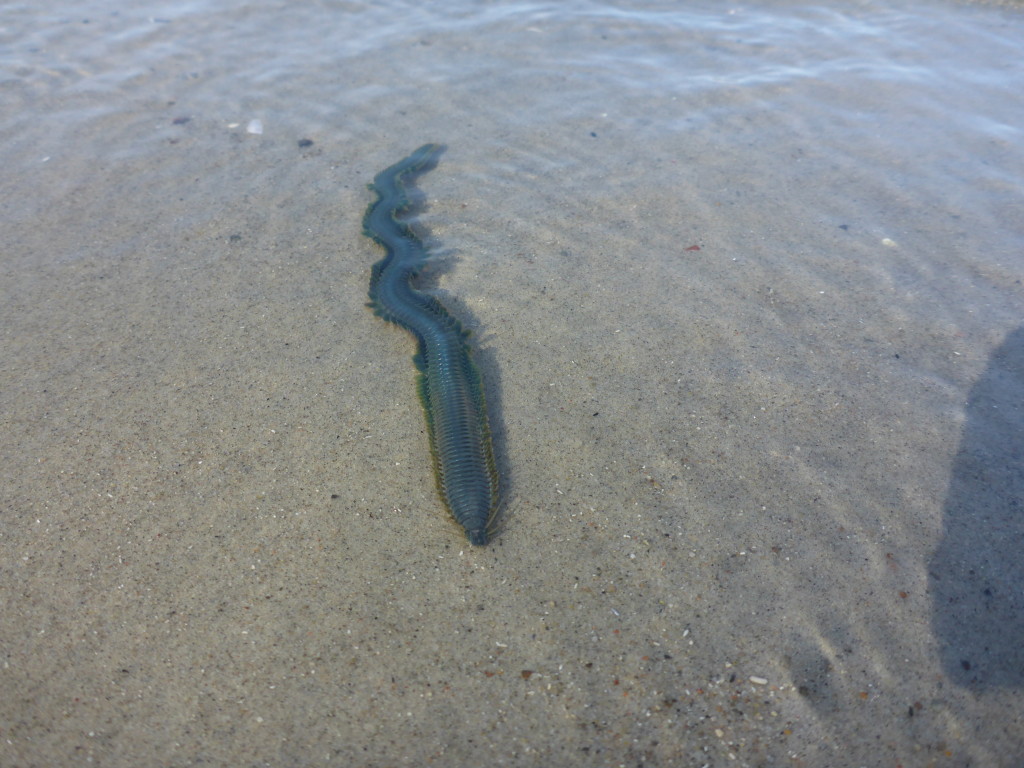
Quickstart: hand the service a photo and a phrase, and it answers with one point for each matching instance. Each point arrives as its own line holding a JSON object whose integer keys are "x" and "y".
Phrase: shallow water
{"x": 745, "y": 282}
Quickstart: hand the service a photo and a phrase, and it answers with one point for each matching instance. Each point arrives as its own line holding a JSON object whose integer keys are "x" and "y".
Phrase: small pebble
{"x": 758, "y": 680}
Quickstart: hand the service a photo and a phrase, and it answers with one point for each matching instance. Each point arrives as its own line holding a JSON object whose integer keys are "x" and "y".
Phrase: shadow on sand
{"x": 976, "y": 575}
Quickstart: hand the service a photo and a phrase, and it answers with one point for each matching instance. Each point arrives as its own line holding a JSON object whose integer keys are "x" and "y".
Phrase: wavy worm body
{"x": 449, "y": 383}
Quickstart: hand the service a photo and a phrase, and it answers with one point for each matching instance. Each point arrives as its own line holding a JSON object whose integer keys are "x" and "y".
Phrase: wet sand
{"x": 745, "y": 287}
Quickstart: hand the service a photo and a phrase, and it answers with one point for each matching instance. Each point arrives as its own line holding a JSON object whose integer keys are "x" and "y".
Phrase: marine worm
{"x": 449, "y": 383}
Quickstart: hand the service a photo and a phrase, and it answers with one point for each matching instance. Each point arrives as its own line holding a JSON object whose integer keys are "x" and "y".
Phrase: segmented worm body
{"x": 449, "y": 383}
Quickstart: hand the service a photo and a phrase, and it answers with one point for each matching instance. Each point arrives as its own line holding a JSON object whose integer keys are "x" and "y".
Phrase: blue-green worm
{"x": 449, "y": 383}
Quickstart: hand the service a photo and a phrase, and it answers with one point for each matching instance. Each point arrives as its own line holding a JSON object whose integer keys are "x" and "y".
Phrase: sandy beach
{"x": 745, "y": 291}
